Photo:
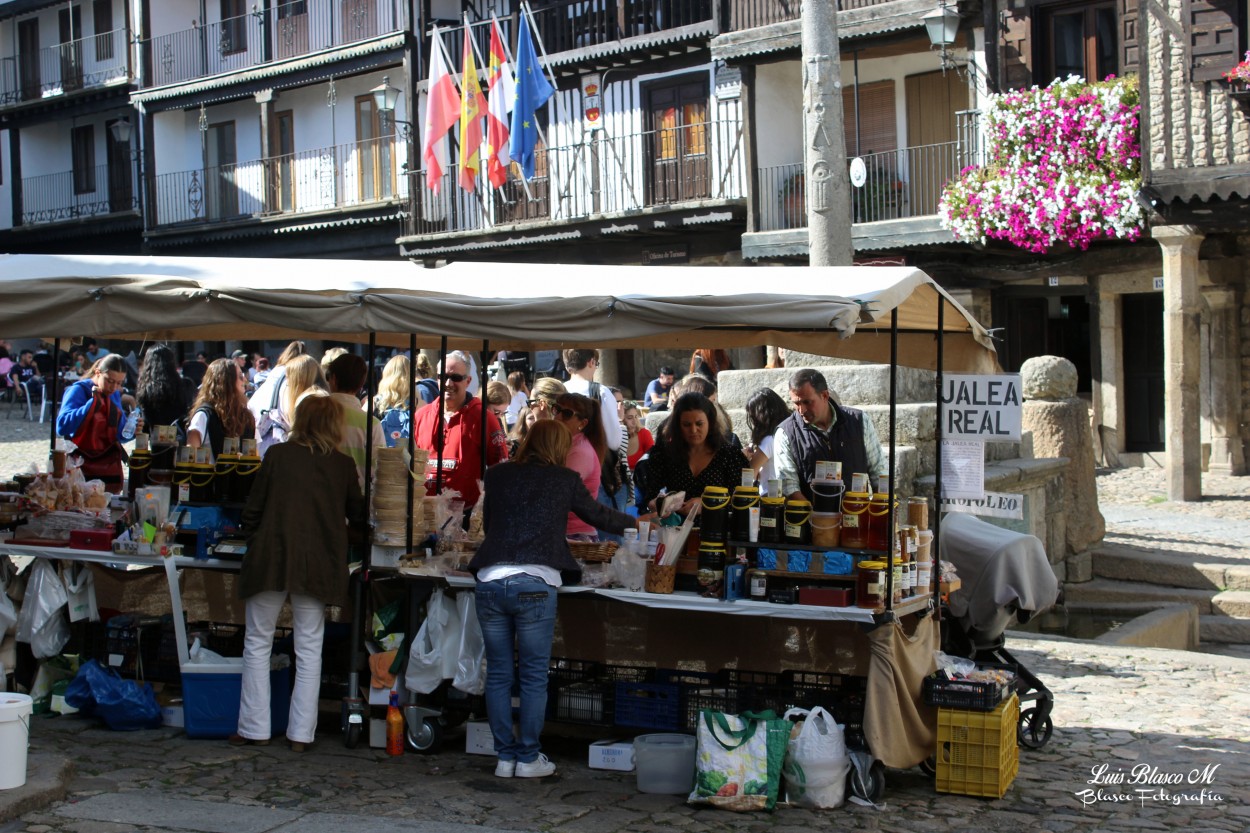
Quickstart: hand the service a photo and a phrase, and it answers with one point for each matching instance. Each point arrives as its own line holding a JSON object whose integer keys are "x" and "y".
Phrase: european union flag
{"x": 532, "y": 92}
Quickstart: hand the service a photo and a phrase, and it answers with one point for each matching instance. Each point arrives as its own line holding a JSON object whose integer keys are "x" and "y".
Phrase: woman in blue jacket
{"x": 92, "y": 417}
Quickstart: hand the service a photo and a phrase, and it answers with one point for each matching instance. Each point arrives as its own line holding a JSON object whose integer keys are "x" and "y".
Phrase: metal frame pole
{"x": 440, "y": 438}
{"x": 412, "y": 413}
{"x": 889, "y": 516}
{"x": 934, "y": 549}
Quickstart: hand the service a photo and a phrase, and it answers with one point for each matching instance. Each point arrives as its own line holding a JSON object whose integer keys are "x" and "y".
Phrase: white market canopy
{"x": 515, "y": 306}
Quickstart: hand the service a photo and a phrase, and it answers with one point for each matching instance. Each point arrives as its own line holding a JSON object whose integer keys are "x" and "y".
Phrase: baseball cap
{"x": 238, "y": 354}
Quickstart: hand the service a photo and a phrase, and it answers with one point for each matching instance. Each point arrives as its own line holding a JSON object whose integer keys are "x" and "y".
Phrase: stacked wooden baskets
{"x": 390, "y": 498}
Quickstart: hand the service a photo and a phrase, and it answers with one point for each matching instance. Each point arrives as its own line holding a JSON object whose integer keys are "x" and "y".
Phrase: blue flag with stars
{"x": 532, "y": 92}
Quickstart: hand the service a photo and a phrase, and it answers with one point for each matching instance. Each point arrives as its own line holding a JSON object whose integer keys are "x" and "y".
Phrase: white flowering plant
{"x": 1063, "y": 166}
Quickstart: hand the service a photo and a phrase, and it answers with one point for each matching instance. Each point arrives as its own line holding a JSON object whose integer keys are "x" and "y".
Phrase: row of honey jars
{"x": 229, "y": 479}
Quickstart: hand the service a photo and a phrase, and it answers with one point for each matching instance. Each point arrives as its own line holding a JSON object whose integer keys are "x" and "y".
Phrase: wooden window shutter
{"x": 1214, "y": 38}
{"x": 878, "y": 119}
{"x": 1128, "y": 22}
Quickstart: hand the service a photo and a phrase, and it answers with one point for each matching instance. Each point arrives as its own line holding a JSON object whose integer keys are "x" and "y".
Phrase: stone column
{"x": 607, "y": 372}
{"x": 1109, "y": 388}
{"x": 1224, "y": 304}
{"x": 1181, "y": 339}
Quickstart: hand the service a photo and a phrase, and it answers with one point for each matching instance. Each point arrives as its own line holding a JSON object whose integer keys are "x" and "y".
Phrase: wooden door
{"x": 375, "y": 166}
{"x": 283, "y": 167}
{"x": 933, "y": 99}
{"x": 1142, "y": 332}
{"x": 678, "y": 143}
{"x": 1026, "y": 331}
{"x": 28, "y": 59}
{"x": 292, "y": 33}
{"x": 70, "y": 21}
{"x": 120, "y": 166}
{"x": 359, "y": 20}
{"x": 220, "y": 168}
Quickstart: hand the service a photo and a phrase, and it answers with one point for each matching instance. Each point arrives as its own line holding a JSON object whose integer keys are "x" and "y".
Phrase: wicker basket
{"x": 593, "y": 550}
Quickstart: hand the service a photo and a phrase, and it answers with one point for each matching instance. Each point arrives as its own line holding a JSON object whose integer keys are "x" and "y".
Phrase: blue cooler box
{"x": 210, "y": 698}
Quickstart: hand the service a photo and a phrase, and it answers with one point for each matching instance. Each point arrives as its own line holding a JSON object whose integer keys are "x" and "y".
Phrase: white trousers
{"x": 309, "y": 617}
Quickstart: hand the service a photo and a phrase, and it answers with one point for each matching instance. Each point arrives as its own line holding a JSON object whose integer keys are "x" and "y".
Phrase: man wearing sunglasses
{"x": 461, "y": 434}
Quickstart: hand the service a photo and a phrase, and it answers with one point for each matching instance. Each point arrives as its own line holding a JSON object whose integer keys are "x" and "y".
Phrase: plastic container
{"x": 223, "y": 476}
{"x": 665, "y": 763}
{"x": 740, "y": 521}
{"x": 244, "y": 476}
{"x": 826, "y": 530}
{"x": 855, "y": 519}
{"x": 977, "y": 753}
{"x": 210, "y": 698}
{"x": 827, "y": 495}
{"x": 714, "y": 519}
{"x": 15, "y": 712}
{"x": 711, "y": 570}
{"x": 879, "y": 521}
{"x": 870, "y": 584}
{"x": 772, "y": 511}
{"x": 798, "y": 516}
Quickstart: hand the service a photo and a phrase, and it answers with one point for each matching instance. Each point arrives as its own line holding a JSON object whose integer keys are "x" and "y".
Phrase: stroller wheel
{"x": 869, "y": 786}
{"x": 929, "y": 766}
{"x": 1034, "y": 732}
{"x": 426, "y": 736}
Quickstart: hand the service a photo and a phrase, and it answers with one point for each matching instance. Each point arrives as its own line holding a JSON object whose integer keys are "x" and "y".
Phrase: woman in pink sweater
{"x": 580, "y": 415}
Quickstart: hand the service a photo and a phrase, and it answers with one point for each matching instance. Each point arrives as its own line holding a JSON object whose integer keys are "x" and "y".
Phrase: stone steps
{"x": 854, "y": 384}
{"x": 1223, "y": 615}
{"x": 1175, "y": 569}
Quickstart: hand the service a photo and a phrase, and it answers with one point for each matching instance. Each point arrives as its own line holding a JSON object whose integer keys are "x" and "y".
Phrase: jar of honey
{"x": 870, "y": 584}
{"x": 855, "y": 519}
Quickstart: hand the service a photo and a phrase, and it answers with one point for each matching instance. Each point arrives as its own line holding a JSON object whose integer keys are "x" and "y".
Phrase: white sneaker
{"x": 505, "y": 769}
{"x": 540, "y": 767}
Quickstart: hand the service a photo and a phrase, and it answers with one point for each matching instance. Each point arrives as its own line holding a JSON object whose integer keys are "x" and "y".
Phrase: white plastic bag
{"x": 41, "y": 621}
{"x": 471, "y": 658}
{"x": 816, "y": 762}
{"x": 8, "y": 613}
{"x": 80, "y": 590}
{"x": 434, "y": 653}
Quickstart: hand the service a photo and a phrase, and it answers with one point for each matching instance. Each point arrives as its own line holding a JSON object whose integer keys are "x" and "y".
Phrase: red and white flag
{"x": 442, "y": 111}
{"x": 500, "y": 94}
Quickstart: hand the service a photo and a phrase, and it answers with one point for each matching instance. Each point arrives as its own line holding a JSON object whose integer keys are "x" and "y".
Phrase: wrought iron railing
{"x": 73, "y": 195}
{"x": 68, "y": 67}
{"x": 268, "y": 34}
{"x": 342, "y": 176}
{"x": 575, "y": 24}
{"x": 750, "y": 14}
{"x": 600, "y": 176}
{"x": 898, "y": 184}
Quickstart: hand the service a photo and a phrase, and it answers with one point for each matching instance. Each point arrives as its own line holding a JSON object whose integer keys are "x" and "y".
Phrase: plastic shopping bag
{"x": 816, "y": 761}
{"x": 123, "y": 705}
{"x": 8, "y": 613}
{"x": 435, "y": 651}
{"x": 80, "y": 591}
{"x": 41, "y": 621}
{"x": 471, "y": 658}
{"x": 739, "y": 761}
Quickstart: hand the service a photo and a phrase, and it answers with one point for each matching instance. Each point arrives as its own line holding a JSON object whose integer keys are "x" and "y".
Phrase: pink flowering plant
{"x": 1240, "y": 74}
{"x": 1063, "y": 166}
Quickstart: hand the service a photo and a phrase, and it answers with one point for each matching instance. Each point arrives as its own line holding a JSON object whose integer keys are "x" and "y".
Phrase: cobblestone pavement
{"x": 1144, "y": 739}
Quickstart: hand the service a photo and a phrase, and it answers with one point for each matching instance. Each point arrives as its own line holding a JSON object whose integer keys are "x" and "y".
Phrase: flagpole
{"x": 482, "y": 73}
{"x": 468, "y": 35}
{"x": 507, "y": 51}
{"x": 538, "y": 38}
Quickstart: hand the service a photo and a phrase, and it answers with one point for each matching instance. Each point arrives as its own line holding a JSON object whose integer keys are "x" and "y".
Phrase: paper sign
{"x": 982, "y": 407}
{"x": 963, "y": 469}
{"x": 993, "y": 505}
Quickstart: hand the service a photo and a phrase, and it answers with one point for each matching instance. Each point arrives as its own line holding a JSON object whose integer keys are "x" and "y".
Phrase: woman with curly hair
{"x": 391, "y": 402}
{"x": 220, "y": 409}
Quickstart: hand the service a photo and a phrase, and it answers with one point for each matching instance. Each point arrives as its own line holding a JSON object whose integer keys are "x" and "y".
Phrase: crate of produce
{"x": 973, "y": 694}
{"x": 977, "y": 753}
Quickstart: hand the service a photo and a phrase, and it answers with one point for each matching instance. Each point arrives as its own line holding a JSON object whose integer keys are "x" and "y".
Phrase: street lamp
{"x": 385, "y": 97}
{"x": 942, "y": 25}
{"x": 121, "y": 130}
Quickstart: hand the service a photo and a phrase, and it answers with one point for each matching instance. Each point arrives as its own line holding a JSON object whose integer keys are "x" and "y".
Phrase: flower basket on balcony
{"x": 1238, "y": 79}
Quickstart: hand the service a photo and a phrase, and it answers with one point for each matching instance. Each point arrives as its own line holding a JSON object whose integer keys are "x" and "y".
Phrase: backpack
{"x": 430, "y": 387}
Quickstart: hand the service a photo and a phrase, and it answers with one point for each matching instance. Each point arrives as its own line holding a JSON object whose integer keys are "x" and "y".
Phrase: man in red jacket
{"x": 461, "y": 433}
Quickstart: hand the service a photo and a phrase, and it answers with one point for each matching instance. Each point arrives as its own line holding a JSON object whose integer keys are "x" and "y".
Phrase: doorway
{"x": 219, "y": 174}
{"x": 933, "y": 99}
{"x": 120, "y": 166}
{"x": 678, "y": 142}
{"x": 28, "y": 58}
{"x": 1141, "y": 330}
{"x": 1048, "y": 325}
{"x": 70, "y": 21}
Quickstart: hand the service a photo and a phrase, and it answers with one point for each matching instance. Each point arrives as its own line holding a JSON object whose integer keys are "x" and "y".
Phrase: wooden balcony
{"x": 603, "y": 177}
{"x": 67, "y": 68}
{"x": 354, "y": 175}
{"x": 264, "y": 36}
{"x": 75, "y": 195}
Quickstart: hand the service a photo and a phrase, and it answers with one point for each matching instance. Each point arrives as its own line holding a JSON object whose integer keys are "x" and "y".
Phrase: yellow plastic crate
{"x": 977, "y": 752}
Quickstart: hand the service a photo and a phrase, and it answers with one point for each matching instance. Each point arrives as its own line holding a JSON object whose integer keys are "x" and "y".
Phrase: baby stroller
{"x": 1007, "y": 579}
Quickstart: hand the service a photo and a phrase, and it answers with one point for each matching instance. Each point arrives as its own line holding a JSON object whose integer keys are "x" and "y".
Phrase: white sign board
{"x": 858, "y": 172}
{"x": 993, "y": 505}
{"x": 981, "y": 407}
{"x": 963, "y": 469}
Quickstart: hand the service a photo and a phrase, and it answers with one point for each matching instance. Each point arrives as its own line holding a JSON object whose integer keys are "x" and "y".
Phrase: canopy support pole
{"x": 889, "y": 515}
{"x": 373, "y": 344}
{"x": 934, "y": 549}
{"x": 440, "y": 438}
{"x": 485, "y": 405}
{"x": 56, "y": 377}
{"x": 412, "y": 413}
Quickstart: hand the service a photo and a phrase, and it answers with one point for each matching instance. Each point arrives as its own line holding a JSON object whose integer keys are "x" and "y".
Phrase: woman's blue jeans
{"x": 518, "y": 610}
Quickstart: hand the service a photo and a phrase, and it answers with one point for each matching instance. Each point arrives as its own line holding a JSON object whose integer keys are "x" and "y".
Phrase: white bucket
{"x": 14, "y": 738}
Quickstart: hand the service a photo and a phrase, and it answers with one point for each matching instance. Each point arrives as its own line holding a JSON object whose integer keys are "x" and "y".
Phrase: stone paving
{"x": 1145, "y": 739}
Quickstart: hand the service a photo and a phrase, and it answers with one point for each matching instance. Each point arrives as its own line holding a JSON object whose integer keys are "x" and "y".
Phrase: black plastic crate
{"x": 129, "y": 644}
{"x": 718, "y": 697}
{"x": 589, "y": 703}
{"x": 841, "y": 695}
{"x": 758, "y": 679}
{"x": 581, "y": 678}
{"x": 964, "y": 694}
{"x": 648, "y": 705}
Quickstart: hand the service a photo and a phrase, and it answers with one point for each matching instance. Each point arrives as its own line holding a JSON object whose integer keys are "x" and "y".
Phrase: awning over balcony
{"x": 514, "y": 306}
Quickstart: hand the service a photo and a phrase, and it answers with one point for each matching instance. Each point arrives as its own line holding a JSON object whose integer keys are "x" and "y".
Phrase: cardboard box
{"x": 825, "y": 596}
{"x": 612, "y": 754}
{"x": 478, "y": 739}
{"x": 172, "y": 715}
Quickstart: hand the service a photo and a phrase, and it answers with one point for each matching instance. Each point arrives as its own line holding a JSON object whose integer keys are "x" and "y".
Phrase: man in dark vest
{"x": 821, "y": 429}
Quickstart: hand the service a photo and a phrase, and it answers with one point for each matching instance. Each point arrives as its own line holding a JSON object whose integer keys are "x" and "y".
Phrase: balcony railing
{"x": 66, "y": 68}
{"x": 73, "y": 195}
{"x": 603, "y": 176}
{"x": 265, "y": 35}
{"x": 899, "y": 184}
{"x": 343, "y": 176}
{"x": 749, "y": 14}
